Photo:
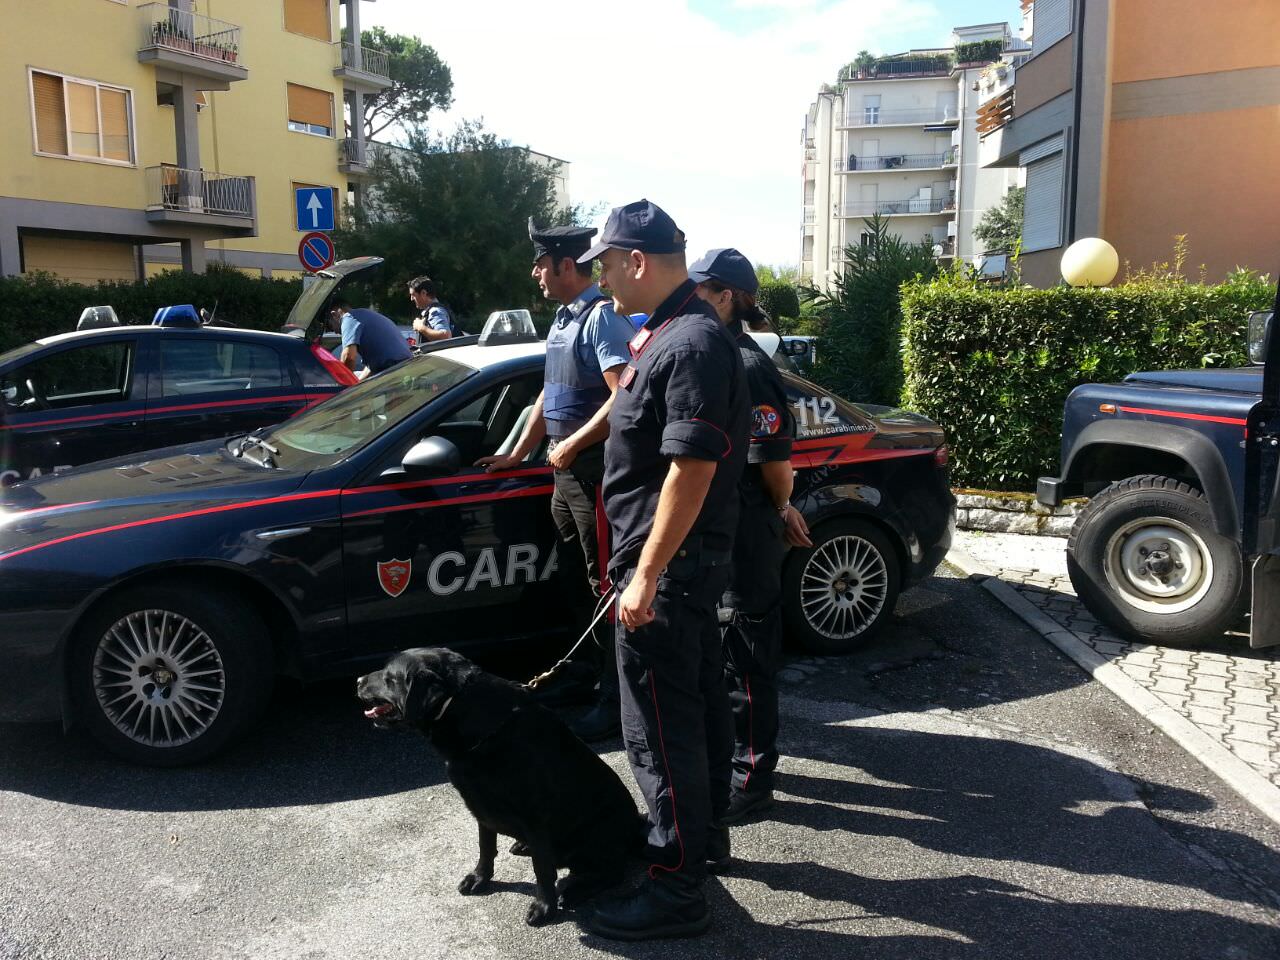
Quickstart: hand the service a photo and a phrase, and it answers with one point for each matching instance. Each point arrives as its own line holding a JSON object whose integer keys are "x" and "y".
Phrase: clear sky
{"x": 698, "y": 105}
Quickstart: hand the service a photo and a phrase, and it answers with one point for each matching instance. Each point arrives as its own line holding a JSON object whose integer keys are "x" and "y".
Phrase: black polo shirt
{"x": 773, "y": 426}
{"x": 683, "y": 395}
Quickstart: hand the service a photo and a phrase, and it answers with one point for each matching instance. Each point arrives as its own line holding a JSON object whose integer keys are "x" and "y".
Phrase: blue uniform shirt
{"x": 380, "y": 343}
{"x": 605, "y": 334}
{"x": 438, "y": 318}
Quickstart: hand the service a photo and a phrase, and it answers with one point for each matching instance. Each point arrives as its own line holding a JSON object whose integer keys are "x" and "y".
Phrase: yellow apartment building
{"x": 145, "y": 136}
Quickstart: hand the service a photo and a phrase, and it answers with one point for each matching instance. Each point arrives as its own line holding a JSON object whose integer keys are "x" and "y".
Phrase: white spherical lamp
{"x": 1091, "y": 262}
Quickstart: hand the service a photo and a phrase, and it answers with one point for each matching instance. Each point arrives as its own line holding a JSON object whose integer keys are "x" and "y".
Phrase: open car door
{"x": 1262, "y": 484}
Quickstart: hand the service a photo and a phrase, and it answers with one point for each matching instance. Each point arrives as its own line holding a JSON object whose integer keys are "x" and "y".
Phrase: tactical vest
{"x": 572, "y": 393}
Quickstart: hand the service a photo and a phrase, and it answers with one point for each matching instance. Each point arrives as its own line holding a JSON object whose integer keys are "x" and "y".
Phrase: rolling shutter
{"x": 1042, "y": 218}
{"x": 115, "y": 124}
{"x": 307, "y": 17}
{"x": 1051, "y": 21}
{"x": 82, "y": 108}
{"x": 51, "y": 114}
{"x": 308, "y": 105}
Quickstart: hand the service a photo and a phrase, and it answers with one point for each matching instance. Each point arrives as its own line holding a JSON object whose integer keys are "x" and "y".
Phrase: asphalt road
{"x": 957, "y": 790}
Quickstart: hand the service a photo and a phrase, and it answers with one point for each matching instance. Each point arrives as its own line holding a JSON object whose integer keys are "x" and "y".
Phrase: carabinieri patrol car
{"x": 152, "y": 599}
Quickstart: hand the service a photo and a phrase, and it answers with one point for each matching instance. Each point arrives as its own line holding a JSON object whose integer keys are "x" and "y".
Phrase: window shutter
{"x": 51, "y": 114}
{"x": 115, "y": 124}
{"x": 1051, "y": 21}
{"x": 1042, "y": 217}
{"x": 82, "y": 101}
{"x": 308, "y": 105}
{"x": 307, "y": 17}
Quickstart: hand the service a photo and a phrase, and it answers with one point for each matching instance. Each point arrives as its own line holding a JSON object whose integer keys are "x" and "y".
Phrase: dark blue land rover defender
{"x": 1182, "y": 527}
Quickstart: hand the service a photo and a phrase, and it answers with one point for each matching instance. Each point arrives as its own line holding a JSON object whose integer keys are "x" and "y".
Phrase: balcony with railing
{"x": 353, "y": 156}
{"x": 190, "y": 43}
{"x": 897, "y": 161}
{"x": 363, "y": 68}
{"x": 204, "y": 197}
{"x": 915, "y": 117}
{"x": 809, "y": 214}
{"x": 901, "y": 68}
{"x": 893, "y": 208}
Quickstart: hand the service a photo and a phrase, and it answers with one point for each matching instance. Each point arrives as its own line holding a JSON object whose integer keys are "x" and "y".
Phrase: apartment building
{"x": 1141, "y": 120}
{"x": 150, "y": 136}
{"x": 898, "y": 137}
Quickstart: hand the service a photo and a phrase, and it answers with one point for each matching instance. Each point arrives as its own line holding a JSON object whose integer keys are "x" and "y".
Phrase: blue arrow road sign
{"x": 314, "y": 206}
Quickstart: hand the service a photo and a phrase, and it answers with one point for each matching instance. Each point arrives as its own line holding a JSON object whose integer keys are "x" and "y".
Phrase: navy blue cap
{"x": 640, "y": 225}
{"x": 727, "y": 266}
{"x": 559, "y": 242}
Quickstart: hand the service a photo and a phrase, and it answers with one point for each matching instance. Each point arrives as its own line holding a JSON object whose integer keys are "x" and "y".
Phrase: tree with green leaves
{"x": 420, "y": 82}
{"x": 1001, "y": 226}
{"x": 455, "y": 208}
{"x": 860, "y": 356}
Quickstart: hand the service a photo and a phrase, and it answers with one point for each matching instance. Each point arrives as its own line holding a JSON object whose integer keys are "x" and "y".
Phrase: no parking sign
{"x": 316, "y": 252}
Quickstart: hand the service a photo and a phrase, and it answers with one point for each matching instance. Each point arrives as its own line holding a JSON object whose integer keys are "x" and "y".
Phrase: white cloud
{"x": 657, "y": 100}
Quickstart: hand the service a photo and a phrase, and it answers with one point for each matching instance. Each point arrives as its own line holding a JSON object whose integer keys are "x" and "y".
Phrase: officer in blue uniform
{"x": 751, "y": 609}
{"x": 586, "y": 352}
{"x": 677, "y": 442}
{"x": 434, "y": 321}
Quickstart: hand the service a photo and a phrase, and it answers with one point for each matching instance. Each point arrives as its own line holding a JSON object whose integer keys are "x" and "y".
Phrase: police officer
{"x": 677, "y": 443}
{"x": 751, "y": 610}
{"x": 586, "y": 351}
{"x": 434, "y": 321}
{"x": 367, "y": 335}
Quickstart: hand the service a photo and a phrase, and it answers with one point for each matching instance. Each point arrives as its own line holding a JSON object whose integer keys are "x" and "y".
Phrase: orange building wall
{"x": 1211, "y": 176}
{"x": 1177, "y": 38}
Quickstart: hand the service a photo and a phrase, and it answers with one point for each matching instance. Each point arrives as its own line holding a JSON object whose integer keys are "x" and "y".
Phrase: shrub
{"x": 994, "y": 366}
{"x": 38, "y": 305}
{"x": 778, "y": 299}
{"x": 860, "y": 357}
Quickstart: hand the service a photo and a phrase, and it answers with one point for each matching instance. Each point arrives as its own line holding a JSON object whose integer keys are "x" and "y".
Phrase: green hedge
{"x": 778, "y": 299}
{"x": 38, "y": 305}
{"x": 995, "y": 365}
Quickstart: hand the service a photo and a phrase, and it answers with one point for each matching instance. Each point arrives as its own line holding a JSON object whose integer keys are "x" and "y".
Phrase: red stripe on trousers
{"x": 675, "y": 816}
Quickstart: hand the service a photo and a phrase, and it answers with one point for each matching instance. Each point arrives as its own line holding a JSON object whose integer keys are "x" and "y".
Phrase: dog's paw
{"x": 474, "y": 883}
{"x": 540, "y": 913}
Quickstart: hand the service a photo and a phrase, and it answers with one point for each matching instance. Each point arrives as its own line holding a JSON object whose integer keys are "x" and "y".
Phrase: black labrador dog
{"x": 520, "y": 771}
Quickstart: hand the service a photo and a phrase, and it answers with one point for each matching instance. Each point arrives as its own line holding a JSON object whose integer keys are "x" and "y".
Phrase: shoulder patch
{"x": 765, "y": 421}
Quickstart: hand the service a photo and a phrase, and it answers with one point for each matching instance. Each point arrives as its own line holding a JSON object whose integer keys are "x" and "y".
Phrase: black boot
{"x": 743, "y": 805}
{"x": 599, "y": 723}
{"x": 718, "y": 855}
{"x": 670, "y": 906}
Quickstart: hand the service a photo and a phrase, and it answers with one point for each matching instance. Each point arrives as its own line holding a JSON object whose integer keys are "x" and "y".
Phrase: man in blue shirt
{"x": 434, "y": 321}
{"x": 586, "y": 351}
{"x": 367, "y": 335}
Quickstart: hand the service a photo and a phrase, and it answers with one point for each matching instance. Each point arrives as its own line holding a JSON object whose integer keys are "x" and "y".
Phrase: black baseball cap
{"x": 640, "y": 225}
{"x": 727, "y": 266}
{"x": 559, "y": 242}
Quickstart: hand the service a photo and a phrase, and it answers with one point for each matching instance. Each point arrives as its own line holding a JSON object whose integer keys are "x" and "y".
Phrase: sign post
{"x": 316, "y": 252}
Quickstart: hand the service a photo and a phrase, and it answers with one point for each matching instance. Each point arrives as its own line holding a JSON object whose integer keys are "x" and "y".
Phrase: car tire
{"x": 837, "y": 594}
{"x": 169, "y": 675}
{"x": 1145, "y": 559}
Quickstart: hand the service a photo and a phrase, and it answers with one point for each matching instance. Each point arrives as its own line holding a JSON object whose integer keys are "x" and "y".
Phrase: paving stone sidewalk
{"x": 1230, "y": 692}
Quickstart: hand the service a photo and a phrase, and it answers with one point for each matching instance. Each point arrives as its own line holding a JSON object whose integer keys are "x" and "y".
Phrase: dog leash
{"x": 602, "y": 607}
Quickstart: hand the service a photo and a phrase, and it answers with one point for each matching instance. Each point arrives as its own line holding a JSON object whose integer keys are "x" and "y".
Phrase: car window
{"x": 80, "y": 376}
{"x": 204, "y": 364}
{"x": 343, "y": 424}
{"x": 483, "y": 426}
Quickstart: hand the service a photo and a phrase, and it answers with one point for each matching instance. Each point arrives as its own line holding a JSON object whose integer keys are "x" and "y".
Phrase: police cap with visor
{"x": 559, "y": 242}
{"x": 640, "y": 225}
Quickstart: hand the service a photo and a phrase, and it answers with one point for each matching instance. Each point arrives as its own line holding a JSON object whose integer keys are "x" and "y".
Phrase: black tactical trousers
{"x": 753, "y": 643}
{"x": 574, "y": 506}
{"x": 675, "y": 715}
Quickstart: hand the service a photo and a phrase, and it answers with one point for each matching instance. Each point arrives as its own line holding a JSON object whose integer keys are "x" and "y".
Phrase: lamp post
{"x": 1091, "y": 262}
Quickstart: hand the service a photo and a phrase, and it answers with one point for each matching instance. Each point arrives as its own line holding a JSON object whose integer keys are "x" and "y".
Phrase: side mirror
{"x": 432, "y": 457}
{"x": 795, "y": 348}
{"x": 1259, "y": 327}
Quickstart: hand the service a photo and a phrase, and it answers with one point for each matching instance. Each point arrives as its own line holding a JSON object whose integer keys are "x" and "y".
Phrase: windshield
{"x": 338, "y": 427}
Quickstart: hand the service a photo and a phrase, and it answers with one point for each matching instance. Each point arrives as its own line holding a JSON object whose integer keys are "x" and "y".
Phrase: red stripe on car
{"x": 1234, "y": 421}
{"x": 453, "y": 501}
{"x": 263, "y": 401}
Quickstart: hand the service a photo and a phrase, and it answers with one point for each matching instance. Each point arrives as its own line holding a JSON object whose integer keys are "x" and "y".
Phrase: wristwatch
{"x": 782, "y": 509}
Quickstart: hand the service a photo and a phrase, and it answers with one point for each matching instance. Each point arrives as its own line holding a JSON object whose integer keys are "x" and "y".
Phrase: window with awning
{"x": 310, "y": 110}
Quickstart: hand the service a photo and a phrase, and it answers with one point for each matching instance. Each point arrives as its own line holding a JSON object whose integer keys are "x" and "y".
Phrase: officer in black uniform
{"x": 751, "y": 610}
{"x": 586, "y": 353}
{"x": 677, "y": 443}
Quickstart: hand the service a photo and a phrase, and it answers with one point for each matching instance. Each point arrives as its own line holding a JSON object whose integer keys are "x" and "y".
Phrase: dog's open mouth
{"x": 382, "y": 711}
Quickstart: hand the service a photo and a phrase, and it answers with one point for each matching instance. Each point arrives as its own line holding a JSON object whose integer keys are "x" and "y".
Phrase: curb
{"x": 1254, "y": 788}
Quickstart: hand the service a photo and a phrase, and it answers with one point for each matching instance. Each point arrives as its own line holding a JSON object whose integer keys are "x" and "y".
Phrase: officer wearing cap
{"x": 677, "y": 443}
{"x": 751, "y": 610}
{"x": 434, "y": 321}
{"x": 586, "y": 352}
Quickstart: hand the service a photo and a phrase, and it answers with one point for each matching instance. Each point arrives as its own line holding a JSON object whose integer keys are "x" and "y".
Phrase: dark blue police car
{"x": 153, "y": 599}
